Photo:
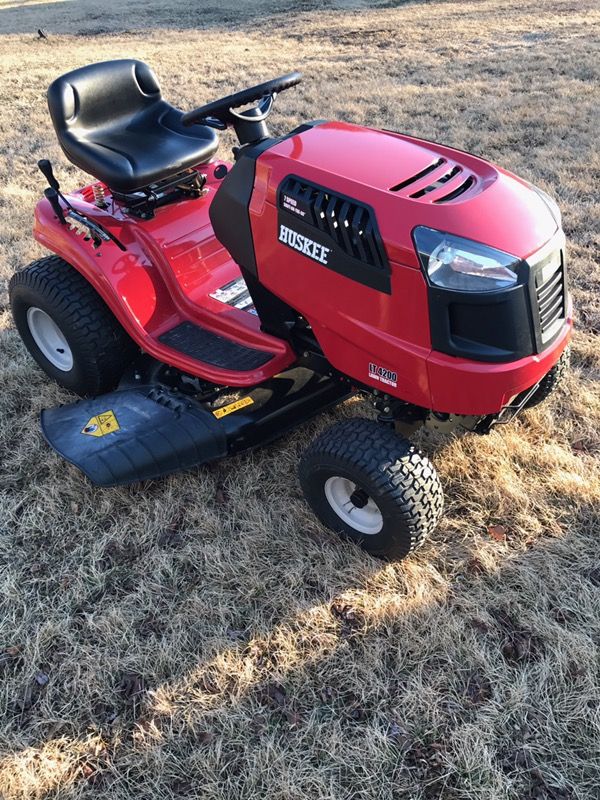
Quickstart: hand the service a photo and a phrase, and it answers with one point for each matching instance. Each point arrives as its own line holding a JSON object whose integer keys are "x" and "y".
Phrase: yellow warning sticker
{"x": 102, "y": 424}
{"x": 231, "y": 407}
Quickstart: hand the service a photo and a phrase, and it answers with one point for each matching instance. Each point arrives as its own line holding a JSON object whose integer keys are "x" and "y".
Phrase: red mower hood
{"x": 410, "y": 182}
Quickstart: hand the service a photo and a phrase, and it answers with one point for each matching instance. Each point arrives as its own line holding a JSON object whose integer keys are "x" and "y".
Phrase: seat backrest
{"x": 99, "y": 94}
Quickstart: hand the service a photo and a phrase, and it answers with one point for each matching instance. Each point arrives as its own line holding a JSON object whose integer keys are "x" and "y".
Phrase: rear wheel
{"x": 372, "y": 486}
{"x": 67, "y": 327}
{"x": 551, "y": 380}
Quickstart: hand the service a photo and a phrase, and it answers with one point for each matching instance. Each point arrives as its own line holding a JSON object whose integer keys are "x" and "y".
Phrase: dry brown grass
{"x": 203, "y": 636}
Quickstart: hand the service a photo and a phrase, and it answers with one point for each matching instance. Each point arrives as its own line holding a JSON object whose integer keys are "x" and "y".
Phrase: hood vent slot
{"x": 464, "y": 187}
{"x": 418, "y": 176}
{"x": 436, "y": 185}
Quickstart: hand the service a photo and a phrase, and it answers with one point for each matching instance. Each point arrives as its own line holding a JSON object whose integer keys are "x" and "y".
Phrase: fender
{"x": 130, "y": 285}
{"x": 161, "y": 280}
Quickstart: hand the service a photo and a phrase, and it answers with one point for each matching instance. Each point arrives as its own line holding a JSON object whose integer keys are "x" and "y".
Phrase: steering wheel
{"x": 221, "y": 113}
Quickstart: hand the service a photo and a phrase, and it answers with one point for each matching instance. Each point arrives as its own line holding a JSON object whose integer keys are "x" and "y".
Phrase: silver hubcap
{"x": 50, "y": 339}
{"x": 353, "y": 506}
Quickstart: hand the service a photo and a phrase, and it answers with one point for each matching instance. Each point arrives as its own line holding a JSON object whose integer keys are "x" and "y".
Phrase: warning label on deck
{"x": 101, "y": 425}
{"x": 231, "y": 407}
{"x": 235, "y": 294}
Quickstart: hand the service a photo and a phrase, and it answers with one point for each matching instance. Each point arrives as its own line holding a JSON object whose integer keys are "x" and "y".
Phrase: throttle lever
{"x": 45, "y": 168}
{"x": 53, "y": 193}
{"x": 51, "y": 196}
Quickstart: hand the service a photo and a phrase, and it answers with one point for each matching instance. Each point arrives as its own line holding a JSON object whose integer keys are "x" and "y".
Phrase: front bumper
{"x": 464, "y": 386}
{"x": 490, "y": 348}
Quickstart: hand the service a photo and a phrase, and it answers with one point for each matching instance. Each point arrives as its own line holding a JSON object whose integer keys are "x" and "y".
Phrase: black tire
{"x": 388, "y": 469}
{"x": 100, "y": 348}
{"x": 551, "y": 380}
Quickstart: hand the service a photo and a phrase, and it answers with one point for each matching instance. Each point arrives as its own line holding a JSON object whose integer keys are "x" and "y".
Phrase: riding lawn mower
{"x": 201, "y": 308}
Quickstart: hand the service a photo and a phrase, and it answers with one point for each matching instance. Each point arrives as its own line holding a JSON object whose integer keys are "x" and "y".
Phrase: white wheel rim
{"x": 339, "y": 493}
{"x": 50, "y": 339}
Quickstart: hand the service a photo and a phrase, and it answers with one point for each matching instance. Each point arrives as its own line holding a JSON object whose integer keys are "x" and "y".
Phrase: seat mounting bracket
{"x": 143, "y": 202}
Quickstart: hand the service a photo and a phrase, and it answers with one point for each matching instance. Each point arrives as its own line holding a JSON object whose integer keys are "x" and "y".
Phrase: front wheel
{"x": 373, "y": 487}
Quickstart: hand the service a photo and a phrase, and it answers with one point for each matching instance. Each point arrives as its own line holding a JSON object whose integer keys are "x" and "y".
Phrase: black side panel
{"x": 206, "y": 346}
{"x": 276, "y": 317}
{"x": 133, "y": 435}
{"x": 229, "y": 214}
{"x": 229, "y": 211}
{"x": 230, "y": 218}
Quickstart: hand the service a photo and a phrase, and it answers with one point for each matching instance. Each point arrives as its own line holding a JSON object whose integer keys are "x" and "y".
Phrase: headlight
{"x": 465, "y": 266}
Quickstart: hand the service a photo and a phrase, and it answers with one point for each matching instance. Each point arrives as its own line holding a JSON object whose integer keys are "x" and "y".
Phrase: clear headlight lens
{"x": 465, "y": 266}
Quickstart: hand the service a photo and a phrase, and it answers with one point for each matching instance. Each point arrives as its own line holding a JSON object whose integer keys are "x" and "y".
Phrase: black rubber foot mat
{"x": 206, "y": 346}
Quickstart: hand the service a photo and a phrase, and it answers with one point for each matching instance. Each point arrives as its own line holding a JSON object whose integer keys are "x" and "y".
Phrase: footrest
{"x": 134, "y": 434}
{"x": 206, "y": 346}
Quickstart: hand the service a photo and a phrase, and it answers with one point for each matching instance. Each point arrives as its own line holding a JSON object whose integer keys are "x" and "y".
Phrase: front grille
{"x": 350, "y": 224}
{"x": 550, "y": 292}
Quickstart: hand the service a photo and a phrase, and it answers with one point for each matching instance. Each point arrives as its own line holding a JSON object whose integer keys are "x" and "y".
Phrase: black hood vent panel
{"x": 345, "y": 229}
{"x": 459, "y": 182}
{"x": 350, "y": 224}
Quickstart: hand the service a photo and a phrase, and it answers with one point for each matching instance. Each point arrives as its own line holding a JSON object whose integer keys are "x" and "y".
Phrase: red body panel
{"x": 166, "y": 276}
{"x": 355, "y": 324}
{"x": 173, "y": 263}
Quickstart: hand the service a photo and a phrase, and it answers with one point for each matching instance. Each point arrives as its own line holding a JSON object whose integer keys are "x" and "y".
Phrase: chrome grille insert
{"x": 550, "y": 293}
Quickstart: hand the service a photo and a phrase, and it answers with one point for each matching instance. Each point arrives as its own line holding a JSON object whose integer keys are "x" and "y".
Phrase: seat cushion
{"x": 112, "y": 122}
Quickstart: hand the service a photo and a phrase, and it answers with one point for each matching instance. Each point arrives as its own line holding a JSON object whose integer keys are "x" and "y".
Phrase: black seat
{"x": 112, "y": 122}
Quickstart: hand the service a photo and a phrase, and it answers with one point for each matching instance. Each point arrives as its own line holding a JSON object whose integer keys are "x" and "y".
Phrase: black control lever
{"x": 51, "y": 196}
{"x": 76, "y": 221}
{"x": 45, "y": 168}
{"x": 53, "y": 193}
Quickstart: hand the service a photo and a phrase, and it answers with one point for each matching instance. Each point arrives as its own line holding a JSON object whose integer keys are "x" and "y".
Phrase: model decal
{"x": 291, "y": 204}
{"x": 383, "y": 375}
{"x": 308, "y": 247}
